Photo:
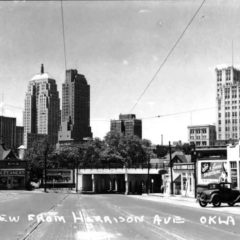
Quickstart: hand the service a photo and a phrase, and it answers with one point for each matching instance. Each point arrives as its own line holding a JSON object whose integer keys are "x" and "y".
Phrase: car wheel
{"x": 231, "y": 204}
{"x": 202, "y": 203}
{"x": 216, "y": 201}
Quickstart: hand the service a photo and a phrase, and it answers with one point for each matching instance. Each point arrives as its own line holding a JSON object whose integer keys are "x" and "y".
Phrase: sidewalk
{"x": 177, "y": 199}
{"x": 187, "y": 202}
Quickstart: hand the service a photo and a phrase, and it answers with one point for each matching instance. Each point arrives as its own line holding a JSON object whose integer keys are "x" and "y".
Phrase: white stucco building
{"x": 233, "y": 162}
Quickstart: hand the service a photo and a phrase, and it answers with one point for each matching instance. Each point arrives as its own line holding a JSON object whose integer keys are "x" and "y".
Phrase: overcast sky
{"x": 118, "y": 46}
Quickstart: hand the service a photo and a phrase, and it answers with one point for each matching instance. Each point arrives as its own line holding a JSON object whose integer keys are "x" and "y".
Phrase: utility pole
{"x": 77, "y": 161}
{"x": 171, "y": 166}
{"x": 45, "y": 166}
{"x": 148, "y": 179}
{"x": 80, "y": 155}
{"x": 126, "y": 177}
{"x": 194, "y": 160}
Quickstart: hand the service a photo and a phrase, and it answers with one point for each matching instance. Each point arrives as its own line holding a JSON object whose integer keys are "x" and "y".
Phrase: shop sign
{"x": 183, "y": 167}
{"x": 12, "y": 164}
{"x": 12, "y": 172}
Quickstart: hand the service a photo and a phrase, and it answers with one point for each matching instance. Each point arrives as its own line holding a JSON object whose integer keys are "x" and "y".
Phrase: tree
{"x": 67, "y": 156}
{"x": 35, "y": 158}
{"x": 128, "y": 150}
{"x": 84, "y": 154}
{"x": 186, "y": 148}
{"x": 91, "y": 152}
{"x": 111, "y": 152}
{"x": 161, "y": 151}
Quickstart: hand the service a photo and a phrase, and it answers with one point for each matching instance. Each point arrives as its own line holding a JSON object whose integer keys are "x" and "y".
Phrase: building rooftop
{"x": 127, "y": 116}
{"x": 201, "y": 125}
{"x": 41, "y": 76}
{"x": 6, "y": 153}
{"x": 227, "y": 66}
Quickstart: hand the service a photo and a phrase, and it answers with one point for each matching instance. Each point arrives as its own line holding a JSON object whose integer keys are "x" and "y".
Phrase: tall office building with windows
{"x": 42, "y": 106}
{"x": 202, "y": 135}
{"x": 75, "y": 122}
{"x": 228, "y": 103}
{"x": 127, "y": 125}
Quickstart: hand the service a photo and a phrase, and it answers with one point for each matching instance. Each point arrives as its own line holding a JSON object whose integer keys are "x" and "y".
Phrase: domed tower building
{"x": 42, "y": 109}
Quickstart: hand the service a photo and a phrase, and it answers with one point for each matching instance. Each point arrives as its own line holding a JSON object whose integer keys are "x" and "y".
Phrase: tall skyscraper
{"x": 127, "y": 125}
{"x": 75, "y": 123}
{"x": 228, "y": 102}
{"x": 42, "y": 106}
{"x": 8, "y": 131}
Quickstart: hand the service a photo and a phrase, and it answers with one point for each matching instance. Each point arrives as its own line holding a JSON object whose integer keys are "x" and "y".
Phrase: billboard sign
{"x": 60, "y": 176}
{"x": 212, "y": 171}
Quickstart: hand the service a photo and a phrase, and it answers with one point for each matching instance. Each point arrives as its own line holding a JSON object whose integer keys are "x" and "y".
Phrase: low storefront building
{"x": 13, "y": 174}
{"x": 183, "y": 180}
{"x": 182, "y": 176}
{"x": 13, "y": 171}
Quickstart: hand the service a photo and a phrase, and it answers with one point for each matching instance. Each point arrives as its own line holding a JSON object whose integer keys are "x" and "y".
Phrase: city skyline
{"x": 119, "y": 46}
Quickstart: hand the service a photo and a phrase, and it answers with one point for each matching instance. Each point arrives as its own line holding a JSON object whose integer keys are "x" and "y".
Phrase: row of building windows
{"x": 203, "y": 143}
{"x": 233, "y": 96}
{"x": 228, "y": 136}
{"x": 229, "y": 102}
{"x": 228, "y": 114}
{"x": 227, "y": 129}
{"x": 198, "y": 131}
{"x": 198, "y": 137}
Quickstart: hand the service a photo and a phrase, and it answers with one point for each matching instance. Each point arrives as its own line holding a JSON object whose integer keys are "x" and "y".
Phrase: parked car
{"x": 217, "y": 193}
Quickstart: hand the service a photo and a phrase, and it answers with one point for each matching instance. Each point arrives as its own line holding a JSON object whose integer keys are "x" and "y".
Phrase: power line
{"x": 143, "y": 118}
{"x": 168, "y": 55}
{"x": 178, "y": 113}
{"x": 63, "y": 35}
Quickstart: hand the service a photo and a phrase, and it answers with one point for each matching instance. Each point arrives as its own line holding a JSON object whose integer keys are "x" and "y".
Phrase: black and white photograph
{"x": 120, "y": 119}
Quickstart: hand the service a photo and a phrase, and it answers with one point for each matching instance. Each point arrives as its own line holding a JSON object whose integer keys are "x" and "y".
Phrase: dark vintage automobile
{"x": 218, "y": 193}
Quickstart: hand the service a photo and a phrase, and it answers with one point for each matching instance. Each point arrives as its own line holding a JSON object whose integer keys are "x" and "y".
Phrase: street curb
{"x": 169, "y": 197}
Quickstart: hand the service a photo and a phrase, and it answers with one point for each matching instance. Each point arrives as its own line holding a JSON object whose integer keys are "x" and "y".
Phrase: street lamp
{"x": 152, "y": 181}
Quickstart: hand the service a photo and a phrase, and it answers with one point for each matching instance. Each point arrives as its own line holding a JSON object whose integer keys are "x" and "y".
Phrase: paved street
{"x": 54, "y": 216}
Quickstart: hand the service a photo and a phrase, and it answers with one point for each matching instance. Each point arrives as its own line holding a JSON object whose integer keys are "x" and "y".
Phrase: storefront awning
{"x": 177, "y": 179}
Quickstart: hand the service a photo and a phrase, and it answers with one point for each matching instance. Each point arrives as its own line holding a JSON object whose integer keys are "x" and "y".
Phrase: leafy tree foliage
{"x": 35, "y": 157}
{"x": 161, "y": 150}
{"x": 115, "y": 149}
{"x": 128, "y": 150}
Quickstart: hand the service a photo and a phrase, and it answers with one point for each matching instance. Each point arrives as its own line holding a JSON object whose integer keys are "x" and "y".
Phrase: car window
{"x": 213, "y": 186}
{"x": 226, "y": 186}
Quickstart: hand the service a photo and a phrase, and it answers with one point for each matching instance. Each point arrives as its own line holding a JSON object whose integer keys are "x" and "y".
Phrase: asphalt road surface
{"x": 53, "y": 216}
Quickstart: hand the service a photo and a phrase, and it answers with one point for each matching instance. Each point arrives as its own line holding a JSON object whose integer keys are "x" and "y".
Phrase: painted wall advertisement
{"x": 210, "y": 171}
